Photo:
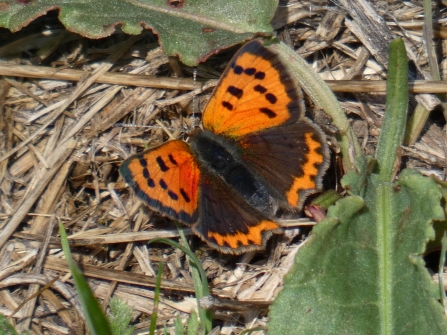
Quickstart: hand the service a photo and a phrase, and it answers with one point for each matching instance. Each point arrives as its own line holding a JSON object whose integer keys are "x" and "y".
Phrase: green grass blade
{"x": 200, "y": 285}
{"x": 156, "y": 300}
{"x": 393, "y": 126}
{"x": 96, "y": 320}
{"x": 178, "y": 326}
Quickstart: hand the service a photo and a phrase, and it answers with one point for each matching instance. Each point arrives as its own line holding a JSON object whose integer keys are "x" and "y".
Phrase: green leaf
{"x": 5, "y": 327}
{"x": 192, "y": 325}
{"x": 179, "y": 329}
{"x": 121, "y": 316}
{"x": 393, "y": 126}
{"x": 191, "y": 29}
{"x": 96, "y": 320}
{"x": 441, "y": 272}
{"x": 361, "y": 271}
{"x": 166, "y": 331}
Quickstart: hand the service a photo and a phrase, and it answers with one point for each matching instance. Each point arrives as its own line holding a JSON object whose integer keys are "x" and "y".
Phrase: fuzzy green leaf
{"x": 5, "y": 327}
{"x": 120, "y": 317}
{"x": 361, "y": 271}
{"x": 191, "y": 29}
{"x": 179, "y": 328}
{"x": 192, "y": 325}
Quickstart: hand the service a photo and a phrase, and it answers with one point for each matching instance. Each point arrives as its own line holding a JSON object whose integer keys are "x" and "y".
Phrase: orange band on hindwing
{"x": 314, "y": 159}
{"x": 237, "y": 240}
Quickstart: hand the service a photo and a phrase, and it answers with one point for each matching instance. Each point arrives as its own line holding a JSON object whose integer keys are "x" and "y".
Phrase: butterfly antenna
{"x": 131, "y": 125}
{"x": 194, "y": 100}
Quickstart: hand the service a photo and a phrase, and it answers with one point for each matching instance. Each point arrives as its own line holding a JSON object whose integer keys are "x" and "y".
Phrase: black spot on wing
{"x": 146, "y": 173}
{"x": 143, "y": 162}
{"x": 260, "y": 89}
{"x": 237, "y": 69}
{"x": 185, "y": 195}
{"x": 172, "y": 195}
{"x": 163, "y": 184}
{"x": 250, "y": 71}
{"x": 267, "y": 111}
{"x": 161, "y": 163}
{"x": 271, "y": 98}
{"x": 234, "y": 91}
{"x": 172, "y": 159}
{"x": 260, "y": 75}
{"x": 150, "y": 182}
{"x": 227, "y": 105}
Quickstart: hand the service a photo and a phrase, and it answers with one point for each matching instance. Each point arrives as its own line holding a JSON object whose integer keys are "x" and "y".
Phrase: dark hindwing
{"x": 290, "y": 159}
{"x": 227, "y": 222}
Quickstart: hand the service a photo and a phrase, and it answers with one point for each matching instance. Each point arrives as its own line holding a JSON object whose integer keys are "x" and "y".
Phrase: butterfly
{"x": 257, "y": 153}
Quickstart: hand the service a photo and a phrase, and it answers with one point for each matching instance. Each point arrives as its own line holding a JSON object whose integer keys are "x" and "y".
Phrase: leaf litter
{"x": 61, "y": 146}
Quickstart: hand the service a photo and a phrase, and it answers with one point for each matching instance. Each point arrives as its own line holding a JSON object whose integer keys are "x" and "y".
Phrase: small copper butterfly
{"x": 256, "y": 153}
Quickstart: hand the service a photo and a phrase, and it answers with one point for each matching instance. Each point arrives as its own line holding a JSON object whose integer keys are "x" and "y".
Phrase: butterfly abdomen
{"x": 221, "y": 157}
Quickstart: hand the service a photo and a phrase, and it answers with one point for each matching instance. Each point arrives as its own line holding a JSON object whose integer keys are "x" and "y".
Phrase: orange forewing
{"x": 166, "y": 178}
{"x": 254, "y": 93}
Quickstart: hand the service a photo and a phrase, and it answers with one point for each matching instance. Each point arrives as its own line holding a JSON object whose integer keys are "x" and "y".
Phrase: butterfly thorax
{"x": 222, "y": 157}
